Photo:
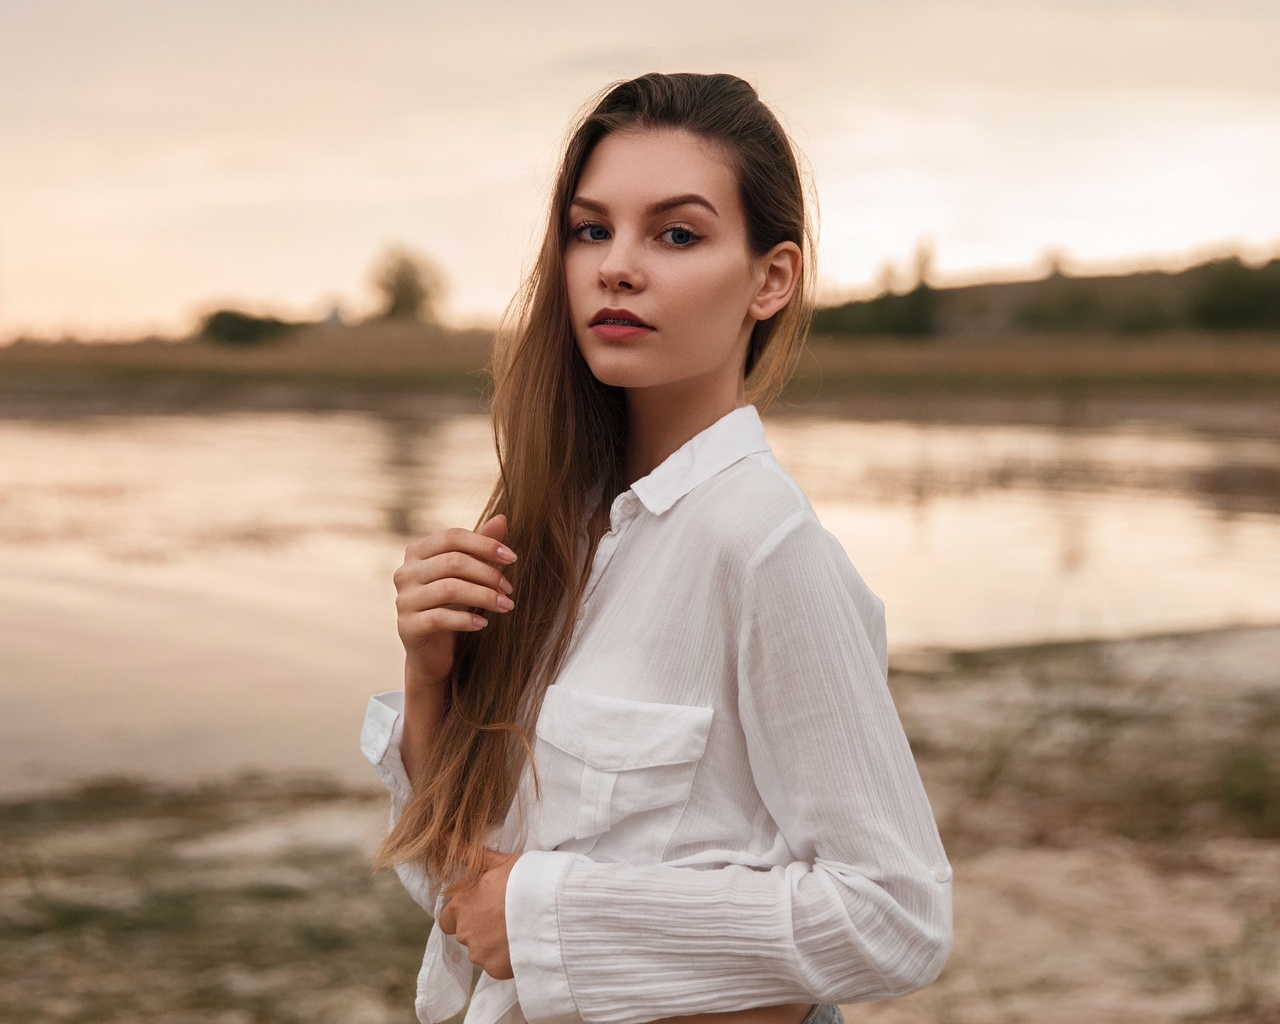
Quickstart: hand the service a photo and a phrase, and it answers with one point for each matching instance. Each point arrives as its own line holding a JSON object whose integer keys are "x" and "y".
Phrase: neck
{"x": 661, "y": 419}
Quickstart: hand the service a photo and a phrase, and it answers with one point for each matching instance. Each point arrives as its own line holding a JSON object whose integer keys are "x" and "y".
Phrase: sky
{"x": 162, "y": 158}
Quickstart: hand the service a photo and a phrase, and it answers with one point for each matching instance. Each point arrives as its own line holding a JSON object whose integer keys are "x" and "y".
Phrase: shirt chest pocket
{"x": 607, "y": 764}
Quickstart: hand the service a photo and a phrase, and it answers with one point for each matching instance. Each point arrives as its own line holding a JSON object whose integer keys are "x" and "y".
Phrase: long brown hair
{"x": 560, "y": 436}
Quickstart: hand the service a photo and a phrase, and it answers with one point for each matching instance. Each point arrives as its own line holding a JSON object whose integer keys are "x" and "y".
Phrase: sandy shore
{"x": 1111, "y": 810}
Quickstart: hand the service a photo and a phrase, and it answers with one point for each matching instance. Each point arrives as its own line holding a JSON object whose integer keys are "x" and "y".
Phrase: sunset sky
{"x": 158, "y": 159}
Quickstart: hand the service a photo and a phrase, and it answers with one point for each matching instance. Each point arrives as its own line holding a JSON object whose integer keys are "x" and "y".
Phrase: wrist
{"x": 420, "y": 683}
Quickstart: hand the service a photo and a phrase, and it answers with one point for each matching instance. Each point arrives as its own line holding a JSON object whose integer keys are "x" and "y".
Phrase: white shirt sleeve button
{"x": 942, "y": 873}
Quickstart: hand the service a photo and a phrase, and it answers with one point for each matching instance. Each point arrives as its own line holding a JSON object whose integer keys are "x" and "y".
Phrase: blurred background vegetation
{"x": 1222, "y": 294}
{"x": 1212, "y": 328}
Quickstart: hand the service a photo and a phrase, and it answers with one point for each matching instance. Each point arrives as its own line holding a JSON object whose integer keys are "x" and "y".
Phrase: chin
{"x": 621, "y": 378}
{"x": 622, "y": 369}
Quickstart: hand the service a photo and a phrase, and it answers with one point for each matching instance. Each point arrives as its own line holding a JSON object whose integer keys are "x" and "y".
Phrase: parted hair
{"x": 560, "y": 436}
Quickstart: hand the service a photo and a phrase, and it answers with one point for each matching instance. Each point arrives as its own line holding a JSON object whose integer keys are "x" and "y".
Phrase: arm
{"x": 863, "y": 912}
{"x": 381, "y": 743}
{"x": 399, "y": 728}
{"x": 444, "y": 577}
{"x": 423, "y": 712}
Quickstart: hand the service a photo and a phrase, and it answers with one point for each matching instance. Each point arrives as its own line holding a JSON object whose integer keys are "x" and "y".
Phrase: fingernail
{"x": 479, "y": 621}
{"x": 504, "y": 584}
{"x": 505, "y": 604}
{"x": 505, "y": 554}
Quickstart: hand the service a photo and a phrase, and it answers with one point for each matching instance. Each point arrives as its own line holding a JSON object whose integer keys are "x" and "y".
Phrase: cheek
{"x": 577, "y": 274}
{"x": 716, "y": 292}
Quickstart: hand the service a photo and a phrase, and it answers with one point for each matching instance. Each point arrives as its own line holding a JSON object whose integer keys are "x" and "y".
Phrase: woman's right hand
{"x": 444, "y": 577}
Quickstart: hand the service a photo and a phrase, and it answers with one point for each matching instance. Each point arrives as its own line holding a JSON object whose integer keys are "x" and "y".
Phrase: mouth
{"x": 619, "y": 318}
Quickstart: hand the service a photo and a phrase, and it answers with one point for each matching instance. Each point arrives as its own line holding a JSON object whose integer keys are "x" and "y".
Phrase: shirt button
{"x": 630, "y": 505}
{"x": 942, "y": 873}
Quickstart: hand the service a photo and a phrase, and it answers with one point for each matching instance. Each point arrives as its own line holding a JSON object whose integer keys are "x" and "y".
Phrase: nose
{"x": 621, "y": 266}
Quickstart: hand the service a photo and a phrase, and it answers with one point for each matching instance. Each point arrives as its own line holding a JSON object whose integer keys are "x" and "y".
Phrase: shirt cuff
{"x": 380, "y": 744}
{"x": 533, "y": 937}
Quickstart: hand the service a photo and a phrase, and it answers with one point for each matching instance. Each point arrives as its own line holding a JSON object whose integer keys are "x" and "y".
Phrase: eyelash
{"x": 694, "y": 237}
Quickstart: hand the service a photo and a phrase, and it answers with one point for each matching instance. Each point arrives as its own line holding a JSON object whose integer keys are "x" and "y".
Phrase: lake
{"x": 183, "y": 596}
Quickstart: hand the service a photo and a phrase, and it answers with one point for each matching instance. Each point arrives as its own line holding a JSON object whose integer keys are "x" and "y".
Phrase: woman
{"x": 664, "y": 777}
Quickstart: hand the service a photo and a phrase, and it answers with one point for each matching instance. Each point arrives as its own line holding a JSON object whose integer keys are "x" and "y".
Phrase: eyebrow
{"x": 661, "y": 206}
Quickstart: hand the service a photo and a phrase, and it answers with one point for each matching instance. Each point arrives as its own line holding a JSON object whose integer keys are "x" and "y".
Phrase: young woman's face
{"x": 659, "y": 272}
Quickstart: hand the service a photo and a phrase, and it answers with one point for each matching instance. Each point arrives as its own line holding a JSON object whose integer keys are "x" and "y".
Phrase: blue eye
{"x": 590, "y": 233}
{"x": 681, "y": 238}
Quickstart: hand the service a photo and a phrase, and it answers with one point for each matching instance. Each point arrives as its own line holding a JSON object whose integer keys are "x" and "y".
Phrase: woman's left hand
{"x": 477, "y": 918}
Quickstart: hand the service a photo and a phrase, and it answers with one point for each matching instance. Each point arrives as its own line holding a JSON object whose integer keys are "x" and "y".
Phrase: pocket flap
{"x": 614, "y": 734}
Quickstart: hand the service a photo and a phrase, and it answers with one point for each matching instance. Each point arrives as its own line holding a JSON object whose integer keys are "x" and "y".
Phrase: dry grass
{"x": 1113, "y": 814}
{"x": 369, "y": 349}
{"x": 1187, "y": 363}
{"x": 246, "y": 902}
{"x": 421, "y": 358}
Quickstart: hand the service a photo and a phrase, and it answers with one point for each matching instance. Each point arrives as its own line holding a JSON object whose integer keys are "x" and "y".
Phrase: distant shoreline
{"x": 1201, "y": 381}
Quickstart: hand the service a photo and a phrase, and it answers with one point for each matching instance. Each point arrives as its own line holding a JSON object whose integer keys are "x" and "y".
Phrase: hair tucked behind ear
{"x": 560, "y": 437}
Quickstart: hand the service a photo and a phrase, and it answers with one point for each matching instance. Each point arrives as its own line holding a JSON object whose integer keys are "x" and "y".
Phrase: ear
{"x": 779, "y": 272}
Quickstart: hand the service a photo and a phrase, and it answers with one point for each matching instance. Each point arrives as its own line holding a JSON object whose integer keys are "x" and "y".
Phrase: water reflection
{"x": 1236, "y": 488}
{"x": 408, "y": 439}
{"x": 906, "y": 498}
{"x": 192, "y": 592}
{"x": 921, "y": 462}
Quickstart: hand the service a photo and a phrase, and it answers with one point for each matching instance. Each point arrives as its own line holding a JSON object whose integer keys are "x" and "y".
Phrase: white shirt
{"x": 730, "y": 814}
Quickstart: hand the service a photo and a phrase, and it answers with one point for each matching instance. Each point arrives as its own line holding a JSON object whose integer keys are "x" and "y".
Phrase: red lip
{"x": 627, "y": 318}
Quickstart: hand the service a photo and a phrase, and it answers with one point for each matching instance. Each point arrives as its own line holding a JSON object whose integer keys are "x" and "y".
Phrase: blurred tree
{"x": 232, "y": 327}
{"x": 410, "y": 285}
{"x": 1144, "y": 314}
{"x": 1233, "y": 296}
{"x": 924, "y": 262}
{"x": 1062, "y": 305}
{"x": 1055, "y": 261}
{"x": 910, "y": 315}
{"x": 887, "y": 279}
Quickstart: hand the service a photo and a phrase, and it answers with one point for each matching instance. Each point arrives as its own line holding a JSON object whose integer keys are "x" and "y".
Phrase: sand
{"x": 1115, "y": 860}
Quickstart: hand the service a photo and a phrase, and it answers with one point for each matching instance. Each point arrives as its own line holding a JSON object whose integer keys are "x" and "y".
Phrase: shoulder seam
{"x": 775, "y": 537}
{"x": 804, "y": 510}
{"x": 776, "y": 468}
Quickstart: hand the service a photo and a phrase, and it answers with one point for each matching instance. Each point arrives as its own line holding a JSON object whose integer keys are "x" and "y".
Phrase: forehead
{"x": 642, "y": 167}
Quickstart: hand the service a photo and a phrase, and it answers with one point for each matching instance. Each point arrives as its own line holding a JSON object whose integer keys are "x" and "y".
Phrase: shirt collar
{"x": 732, "y": 437}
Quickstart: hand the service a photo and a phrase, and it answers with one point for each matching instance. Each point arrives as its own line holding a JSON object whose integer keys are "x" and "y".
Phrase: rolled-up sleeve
{"x": 380, "y": 744}
{"x": 863, "y": 912}
{"x": 445, "y": 978}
